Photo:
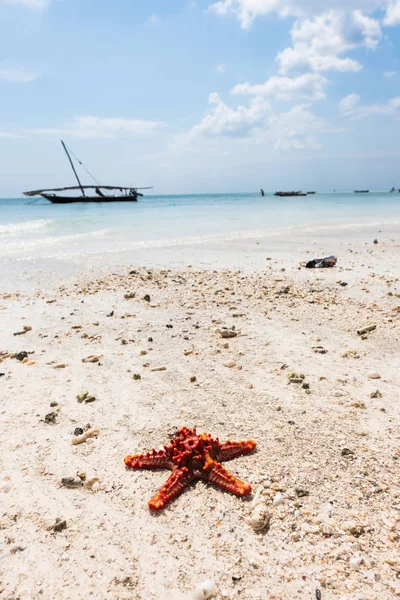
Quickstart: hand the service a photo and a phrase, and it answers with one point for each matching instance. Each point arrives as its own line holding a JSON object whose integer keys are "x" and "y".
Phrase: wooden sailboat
{"x": 102, "y": 193}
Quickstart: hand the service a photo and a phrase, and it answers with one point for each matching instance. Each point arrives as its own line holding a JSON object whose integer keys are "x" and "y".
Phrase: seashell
{"x": 374, "y": 376}
{"x": 91, "y": 483}
{"x": 260, "y": 518}
{"x": 205, "y": 590}
{"x": 278, "y": 500}
{"x": 355, "y": 563}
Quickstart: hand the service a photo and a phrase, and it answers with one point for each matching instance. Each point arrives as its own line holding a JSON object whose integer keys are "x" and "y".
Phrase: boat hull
{"x": 87, "y": 199}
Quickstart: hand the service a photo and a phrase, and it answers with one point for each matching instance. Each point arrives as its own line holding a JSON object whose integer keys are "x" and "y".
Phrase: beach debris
{"x": 301, "y": 492}
{"x": 21, "y": 355}
{"x": 322, "y": 263}
{"x": 367, "y": 329}
{"x": 25, "y": 329}
{"x": 374, "y": 375}
{"x": 350, "y": 354}
{"x": 376, "y": 394}
{"x": 227, "y": 333}
{"x": 58, "y": 526}
{"x": 355, "y": 563}
{"x": 155, "y": 369}
{"x": 187, "y": 352}
{"x": 320, "y": 350}
{"x": 260, "y": 518}
{"x": 78, "y": 431}
{"x": 92, "y": 484}
{"x": 169, "y": 326}
{"x": 147, "y": 298}
{"x": 354, "y": 528}
{"x": 60, "y": 366}
{"x": 92, "y": 358}
{"x": 80, "y": 439}
{"x": 191, "y": 456}
{"x": 2, "y": 374}
{"x": 51, "y": 418}
{"x": 296, "y": 377}
{"x": 230, "y": 364}
{"x": 205, "y": 590}
{"x": 375, "y": 241}
{"x": 129, "y": 295}
{"x": 82, "y": 397}
{"x": 71, "y": 482}
{"x": 111, "y": 314}
{"x": 278, "y": 499}
{"x": 193, "y": 379}
{"x": 347, "y": 452}
{"x": 137, "y": 376}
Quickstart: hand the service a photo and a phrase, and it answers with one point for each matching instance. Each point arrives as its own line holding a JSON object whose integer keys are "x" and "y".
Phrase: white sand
{"x": 112, "y": 547}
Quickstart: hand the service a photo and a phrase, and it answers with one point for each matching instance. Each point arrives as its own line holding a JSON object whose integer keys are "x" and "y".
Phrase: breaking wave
{"x": 15, "y": 228}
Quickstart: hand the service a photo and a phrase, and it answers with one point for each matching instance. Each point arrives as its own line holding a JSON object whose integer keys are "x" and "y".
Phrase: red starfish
{"x": 191, "y": 456}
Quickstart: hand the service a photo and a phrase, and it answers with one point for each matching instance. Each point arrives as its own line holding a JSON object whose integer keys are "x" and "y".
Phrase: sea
{"x": 41, "y": 242}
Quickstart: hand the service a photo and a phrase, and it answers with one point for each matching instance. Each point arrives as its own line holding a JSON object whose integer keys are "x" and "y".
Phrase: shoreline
{"x": 339, "y": 535}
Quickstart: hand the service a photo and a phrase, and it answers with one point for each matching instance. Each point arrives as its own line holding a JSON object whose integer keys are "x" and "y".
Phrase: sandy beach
{"x": 320, "y": 400}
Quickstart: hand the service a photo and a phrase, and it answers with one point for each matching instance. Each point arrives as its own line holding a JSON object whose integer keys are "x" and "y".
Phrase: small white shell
{"x": 93, "y": 484}
{"x": 355, "y": 563}
{"x": 205, "y": 590}
{"x": 278, "y": 500}
{"x": 260, "y": 517}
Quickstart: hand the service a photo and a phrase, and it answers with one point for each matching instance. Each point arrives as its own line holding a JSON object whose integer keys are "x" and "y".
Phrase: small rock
{"x": 343, "y": 283}
{"x": 355, "y": 563}
{"x": 21, "y": 355}
{"x": 59, "y": 525}
{"x": 347, "y": 452}
{"x": 230, "y": 364}
{"x": 71, "y": 482}
{"x": 193, "y": 379}
{"x": 111, "y": 314}
{"x": 60, "y": 366}
{"x": 376, "y": 394}
{"x": 90, "y": 399}
{"x": 51, "y": 418}
{"x": 129, "y": 295}
{"x": 82, "y": 397}
{"x": 137, "y": 376}
{"x": 147, "y": 298}
{"x": 155, "y": 369}
{"x": 92, "y": 358}
{"x": 374, "y": 375}
{"x": 93, "y": 484}
{"x": 301, "y": 492}
{"x": 78, "y": 431}
{"x": 375, "y": 241}
{"x": 227, "y": 333}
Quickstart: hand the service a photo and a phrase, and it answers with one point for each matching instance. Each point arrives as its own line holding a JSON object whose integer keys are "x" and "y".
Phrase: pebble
{"x": 92, "y": 358}
{"x": 60, "y": 366}
{"x": 71, "y": 482}
{"x": 230, "y": 364}
{"x": 355, "y": 563}
{"x": 93, "y": 484}
{"x": 59, "y": 525}
{"x": 374, "y": 375}
{"x": 155, "y": 369}
{"x": 82, "y": 397}
{"x": 51, "y": 418}
{"x": 227, "y": 333}
{"x": 278, "y": 500}
{"x": 193, "y": 379}
{"x": 205, "y": 590}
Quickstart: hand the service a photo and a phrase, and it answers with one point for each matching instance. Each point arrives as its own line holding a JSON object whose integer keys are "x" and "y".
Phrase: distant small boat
{"x": 285, "y": 194}
{"x": 308, "y": 193}
{"x": 361, "y": 191}
{"x": 103, "y": 193}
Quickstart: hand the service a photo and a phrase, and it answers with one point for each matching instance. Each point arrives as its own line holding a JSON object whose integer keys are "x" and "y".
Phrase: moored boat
{"x": 97, "y": 193}
{"x": 286, "y": 194}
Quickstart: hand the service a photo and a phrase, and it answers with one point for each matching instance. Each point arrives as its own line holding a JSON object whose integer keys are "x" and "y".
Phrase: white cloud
{"x": 248, "y": 10}
{"x": 17, "y": 74}
{"x": 221, "y": 68}
{"x": 294, "y": 129}
{"x": 389, "y": 74}
{"x": 389, "y": 108}
{"x": 308, "y": 85}
{"x": 318, "y": 43}
{"x": 12, "y": 136}
{"x": 34, "y": 4}
{"x": 94, "y": 127}
{"x": 348, "y": 103}
{"x": 222, "y": 120}
{"x": 392, "y": 16}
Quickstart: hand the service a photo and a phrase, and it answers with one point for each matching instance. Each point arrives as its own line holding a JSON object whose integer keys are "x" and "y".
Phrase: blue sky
{"x": 201, "y": 95}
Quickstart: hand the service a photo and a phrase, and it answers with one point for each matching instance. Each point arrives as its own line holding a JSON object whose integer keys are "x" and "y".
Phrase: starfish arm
{"x": 175, "y": 484}
{"x": 156, "y": 459}
{"x": 215, "y": 473}
{"x": 231, "y": 450}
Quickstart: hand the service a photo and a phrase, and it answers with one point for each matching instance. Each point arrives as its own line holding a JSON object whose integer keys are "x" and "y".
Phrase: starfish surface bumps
{"x": 191, "y": 456}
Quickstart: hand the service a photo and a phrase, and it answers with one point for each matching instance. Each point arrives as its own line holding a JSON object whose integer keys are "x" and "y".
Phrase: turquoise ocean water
{"x": 175, "y": 230}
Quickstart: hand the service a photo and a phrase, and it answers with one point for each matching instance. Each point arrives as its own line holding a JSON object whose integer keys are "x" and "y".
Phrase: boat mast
{"x": 73, "y": 168}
